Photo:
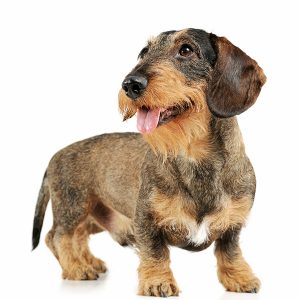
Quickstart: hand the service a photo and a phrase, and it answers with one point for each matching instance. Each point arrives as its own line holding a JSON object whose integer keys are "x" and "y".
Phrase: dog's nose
{"x": 134, "y": 86}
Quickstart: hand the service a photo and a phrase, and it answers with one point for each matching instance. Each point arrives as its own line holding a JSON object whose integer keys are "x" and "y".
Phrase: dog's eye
{"x": 143, "y": 52}
{"x": 186, "y": 50}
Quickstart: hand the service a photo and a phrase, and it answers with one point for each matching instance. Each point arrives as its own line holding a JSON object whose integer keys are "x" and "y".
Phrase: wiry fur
{"x": 188, "y": 183}
{"x": 170, "y": 88}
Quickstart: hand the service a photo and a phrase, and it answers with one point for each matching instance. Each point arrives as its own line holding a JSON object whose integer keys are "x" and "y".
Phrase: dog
{"x": 184, "y": 180}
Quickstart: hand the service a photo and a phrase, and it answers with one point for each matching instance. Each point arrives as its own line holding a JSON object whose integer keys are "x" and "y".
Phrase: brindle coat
{"x": 187, "y": 183}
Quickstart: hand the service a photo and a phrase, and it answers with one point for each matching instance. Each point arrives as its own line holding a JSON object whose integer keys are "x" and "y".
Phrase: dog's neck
{"x": 223, "y": 138}
{"x": 227, "y": 135}
{"x": 221, "y": 149}
{"x": 206, "y": 137}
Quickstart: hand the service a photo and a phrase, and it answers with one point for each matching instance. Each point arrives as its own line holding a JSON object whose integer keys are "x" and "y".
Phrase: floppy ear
{"x": 236, "y": 80}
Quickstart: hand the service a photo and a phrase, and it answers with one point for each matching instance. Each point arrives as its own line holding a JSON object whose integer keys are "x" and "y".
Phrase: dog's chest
{"x": 177, "y": 218}
{"x": 198, "y": 234}
{"x": 187, "y": 232}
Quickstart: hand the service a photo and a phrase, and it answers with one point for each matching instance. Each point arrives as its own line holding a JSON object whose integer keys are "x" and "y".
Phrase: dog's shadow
{"x": 239, "y": 296}
{"x": 83, "y": 286}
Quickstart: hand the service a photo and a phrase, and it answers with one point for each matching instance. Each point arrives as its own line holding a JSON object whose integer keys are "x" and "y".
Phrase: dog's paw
{"x": 241, "y": 284}
{"x": 154, "y": 288}
{"x": 99, "y": 265}
{"x": 251, "y": 286}
{"x": 80, "y": 272}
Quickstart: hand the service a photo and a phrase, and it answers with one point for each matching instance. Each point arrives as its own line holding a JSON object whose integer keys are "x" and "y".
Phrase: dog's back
{"x": 107, "y": 165}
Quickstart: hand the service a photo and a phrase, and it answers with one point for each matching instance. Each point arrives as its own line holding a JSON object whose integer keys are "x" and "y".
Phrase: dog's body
{"x": 190, "y": 185}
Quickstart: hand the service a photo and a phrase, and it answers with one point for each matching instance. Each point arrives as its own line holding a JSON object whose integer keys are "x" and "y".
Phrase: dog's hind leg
{"x": 81, "y": 248}
{"x": 73, "y": 267}
{"x": 67, "y": 239}
{"x": 49, "y": 242}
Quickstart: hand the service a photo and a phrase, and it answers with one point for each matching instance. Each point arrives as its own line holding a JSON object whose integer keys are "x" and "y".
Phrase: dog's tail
{"x": 40, "y": 210}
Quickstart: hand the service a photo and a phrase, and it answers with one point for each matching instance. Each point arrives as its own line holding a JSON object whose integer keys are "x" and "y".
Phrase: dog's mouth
{"x": 149, "y": 119}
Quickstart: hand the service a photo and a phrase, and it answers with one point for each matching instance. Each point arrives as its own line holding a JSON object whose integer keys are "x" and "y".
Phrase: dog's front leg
{"x": 233, "y": 271}
{"x": 155, "y": 275}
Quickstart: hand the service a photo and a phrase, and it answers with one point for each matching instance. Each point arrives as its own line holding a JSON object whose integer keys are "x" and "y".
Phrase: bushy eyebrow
{"x": 150, "y": 42}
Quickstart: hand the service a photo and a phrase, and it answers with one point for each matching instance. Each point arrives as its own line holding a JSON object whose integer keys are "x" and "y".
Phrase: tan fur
{"x": 168, "y": 88}
{"x": 171, "y": 211}
{"x": 73, "y": 267}
{"x": 173, "y": 215}
{"x": 82, "y": 251}
{"x": 177, "y": 214}
{"x": 179, "y": 135}
{"x": 92, "y": 226}
{"x": 235, "y": 274}
{"x": 233, "y": 212}
{"x": 73, "y": 253}
{"x": 89, "y": 226}
{"x": 49, "y": 242}
{"x": 156, "y": 278}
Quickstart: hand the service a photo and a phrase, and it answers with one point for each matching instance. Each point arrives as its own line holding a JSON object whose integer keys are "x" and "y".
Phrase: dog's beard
{"x": 170, "y": 113}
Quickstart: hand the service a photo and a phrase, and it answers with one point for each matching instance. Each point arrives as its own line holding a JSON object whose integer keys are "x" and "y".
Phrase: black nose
{"x": 134, "y": 86}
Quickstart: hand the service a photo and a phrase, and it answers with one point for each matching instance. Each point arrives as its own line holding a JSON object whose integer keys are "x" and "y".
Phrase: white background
{"x": 61, "y": 66}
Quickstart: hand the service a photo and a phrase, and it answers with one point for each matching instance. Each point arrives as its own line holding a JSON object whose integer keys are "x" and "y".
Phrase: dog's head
{"x": 183, "y": 78}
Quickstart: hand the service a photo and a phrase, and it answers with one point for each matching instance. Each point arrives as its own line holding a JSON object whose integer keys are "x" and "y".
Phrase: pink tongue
{"x": 147, "y": 120}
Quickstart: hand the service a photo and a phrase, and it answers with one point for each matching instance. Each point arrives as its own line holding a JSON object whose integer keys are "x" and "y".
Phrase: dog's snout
{"x": 134, "y": 86}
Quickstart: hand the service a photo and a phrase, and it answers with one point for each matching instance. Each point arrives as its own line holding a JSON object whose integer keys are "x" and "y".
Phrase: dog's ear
{"x": 236, "y": 80}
